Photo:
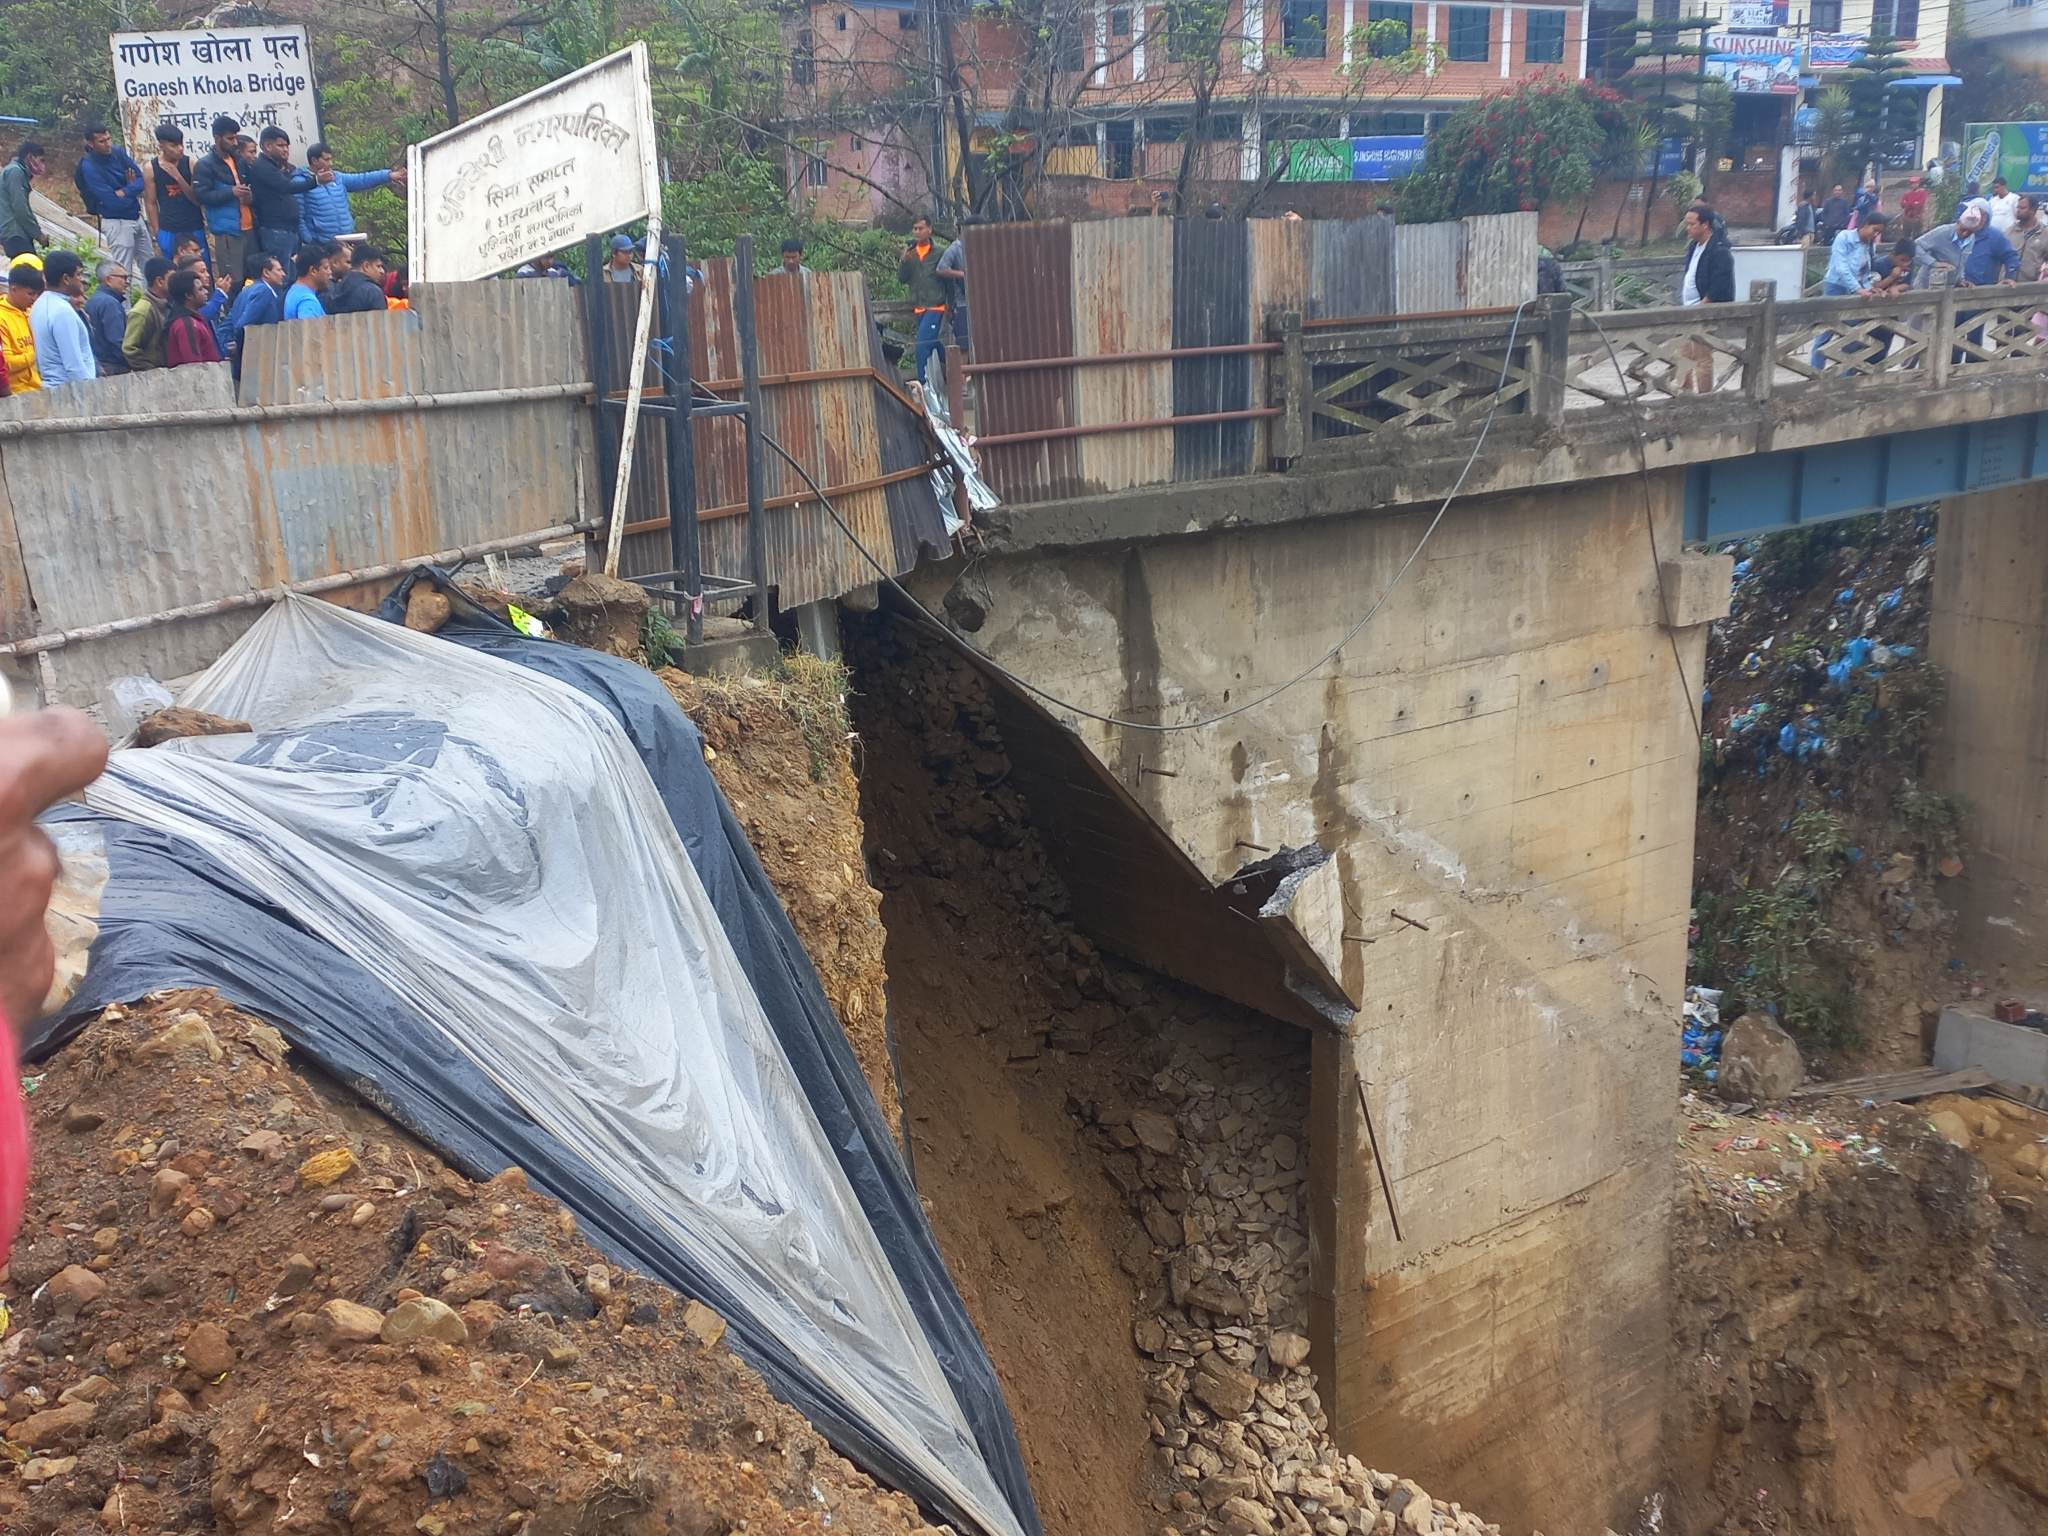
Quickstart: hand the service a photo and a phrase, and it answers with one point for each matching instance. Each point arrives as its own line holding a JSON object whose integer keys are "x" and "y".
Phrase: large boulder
{"x": 1760, "y": 1063}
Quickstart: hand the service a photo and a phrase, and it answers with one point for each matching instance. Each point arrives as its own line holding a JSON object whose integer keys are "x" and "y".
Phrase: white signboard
{"x": 256, "y": 75}
{"x": 573, "y": 158}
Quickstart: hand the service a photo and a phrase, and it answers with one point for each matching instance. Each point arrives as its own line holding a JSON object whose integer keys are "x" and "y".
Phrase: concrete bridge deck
{"x": 1459, "y": 851}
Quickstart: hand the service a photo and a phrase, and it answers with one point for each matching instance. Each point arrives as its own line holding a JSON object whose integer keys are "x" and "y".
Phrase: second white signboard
{"x": 573, "y": 158}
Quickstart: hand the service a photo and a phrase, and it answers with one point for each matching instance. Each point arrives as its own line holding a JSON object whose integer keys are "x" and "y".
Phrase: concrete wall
{"x": 1990, "y": 634}
{"x": 1501, "y": 770}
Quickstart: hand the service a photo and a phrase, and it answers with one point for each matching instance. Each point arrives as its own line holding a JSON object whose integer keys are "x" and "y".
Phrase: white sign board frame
{"x": 574, "y": 158}
{"x": 189, "y": 76}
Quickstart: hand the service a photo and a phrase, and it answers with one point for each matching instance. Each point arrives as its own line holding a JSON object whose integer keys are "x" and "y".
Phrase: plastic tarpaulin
{"x": 485, "y": 917}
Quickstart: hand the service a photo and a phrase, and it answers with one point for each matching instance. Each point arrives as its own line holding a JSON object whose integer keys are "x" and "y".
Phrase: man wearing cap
{"x": 1977, "y": 254}
{"x": 618, "y": 267}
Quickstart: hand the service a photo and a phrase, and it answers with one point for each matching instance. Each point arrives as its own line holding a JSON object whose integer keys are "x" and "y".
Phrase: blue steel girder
{"x": 1731, "y": 498}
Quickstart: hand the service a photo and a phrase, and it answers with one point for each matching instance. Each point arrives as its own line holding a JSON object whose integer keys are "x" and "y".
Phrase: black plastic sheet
{"x": 171, "y": 916}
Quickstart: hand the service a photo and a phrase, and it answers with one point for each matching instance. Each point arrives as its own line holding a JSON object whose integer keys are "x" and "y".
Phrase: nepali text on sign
{"x": 259, "y": 76}
{"x": 538, "y": 174}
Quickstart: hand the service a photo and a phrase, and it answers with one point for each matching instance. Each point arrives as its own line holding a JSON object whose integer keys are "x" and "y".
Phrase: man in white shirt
{"x": 2005, "y": 206}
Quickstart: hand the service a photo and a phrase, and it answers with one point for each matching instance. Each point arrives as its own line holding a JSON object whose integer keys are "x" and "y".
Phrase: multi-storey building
{"x": 1335, "y": 89}
{"x": 1777, "y": 56}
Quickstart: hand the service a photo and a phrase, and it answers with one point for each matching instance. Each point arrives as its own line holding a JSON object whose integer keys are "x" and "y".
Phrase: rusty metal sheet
{"x": 1211, "y": 307}
{"x": 1282, "y": 275}
{"x": 1124, "y": 303}
{"x": 1031, "y": 267}
{"x": 1351, "y": 268}
{"x": 122, "y": 523}
{"x": 1500, "y": 259}
{"x": 1428, "y": 268}
{"x": 849, "y": 447}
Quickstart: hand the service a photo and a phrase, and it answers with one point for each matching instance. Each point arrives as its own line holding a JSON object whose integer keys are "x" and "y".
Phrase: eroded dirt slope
{"x": 1859, "y": 1326}
{"x": 242, "y": 1302}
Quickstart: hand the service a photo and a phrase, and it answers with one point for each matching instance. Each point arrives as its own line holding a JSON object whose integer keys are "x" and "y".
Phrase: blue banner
{"x": 1387, "y": 157}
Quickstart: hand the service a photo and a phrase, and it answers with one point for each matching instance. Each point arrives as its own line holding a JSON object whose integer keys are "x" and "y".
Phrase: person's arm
{"x": 210, "y": 184}
{"x": 149, "y": 214}
{"x": 950, "y": 264}
{"x": 361, "y": 181}
{"x": 74, "y": 346}
{"x": 905, "y": 268}
{"x": 2010, "y": 260}
{"x": 44, "y": 757}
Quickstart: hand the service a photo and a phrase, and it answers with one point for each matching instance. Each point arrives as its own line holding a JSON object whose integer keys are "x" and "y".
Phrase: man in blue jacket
{"x": 221, "y": 183}
{"x": 261, "y": 302}
{"x": 1979, "y": 255}
{"x": 324, "y": 211}
{"x": 111, "y": 183}
{"x": 106, "y": 317}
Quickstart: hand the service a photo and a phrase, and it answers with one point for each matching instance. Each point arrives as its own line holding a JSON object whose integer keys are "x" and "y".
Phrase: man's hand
{"x": 242, "y": 194}
{"x": 324, "y": 177}
{"x": 43, "y": 759}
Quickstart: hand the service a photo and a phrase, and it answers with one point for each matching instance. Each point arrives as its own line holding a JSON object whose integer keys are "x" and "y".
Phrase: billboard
{"x": 574, "y": 158}
{"x": 256, "y": 75}
{"x": 1776, "y": 76}
{"x": 1756, "y": 15}
{"x": 1319, "y": 160}
{"x": 2016, "y": 151}
{"x": 1384, "y": 157}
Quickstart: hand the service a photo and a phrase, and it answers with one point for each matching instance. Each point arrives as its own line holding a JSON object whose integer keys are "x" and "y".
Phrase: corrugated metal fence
{"x": 828, "y": 398}
{"x": 133, "y": 519}
{"x": 1187, "y": 302}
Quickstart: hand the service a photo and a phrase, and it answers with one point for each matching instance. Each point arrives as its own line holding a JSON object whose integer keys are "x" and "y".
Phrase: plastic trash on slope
{"x": 484, "y": 842}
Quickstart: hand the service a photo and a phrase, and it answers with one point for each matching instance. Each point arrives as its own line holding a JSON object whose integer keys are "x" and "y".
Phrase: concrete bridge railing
{"x": 1381, "y": 390}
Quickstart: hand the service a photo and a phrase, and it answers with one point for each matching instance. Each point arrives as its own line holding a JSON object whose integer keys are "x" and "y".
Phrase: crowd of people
{"x": 196, "y": 254}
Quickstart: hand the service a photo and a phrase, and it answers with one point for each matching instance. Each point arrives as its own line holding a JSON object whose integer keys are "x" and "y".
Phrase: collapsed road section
{"x": 491, "y": 884}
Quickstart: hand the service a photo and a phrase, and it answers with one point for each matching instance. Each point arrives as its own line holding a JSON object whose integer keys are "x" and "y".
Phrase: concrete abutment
{"x": 1989, "y": 634}
{"x": 1460, "y": 855}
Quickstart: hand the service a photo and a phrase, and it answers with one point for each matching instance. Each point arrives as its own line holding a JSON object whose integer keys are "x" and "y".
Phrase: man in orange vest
{"x": 919, "y": 272}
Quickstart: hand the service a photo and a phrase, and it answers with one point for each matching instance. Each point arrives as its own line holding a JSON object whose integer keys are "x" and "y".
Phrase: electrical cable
{"x": 982, "y": 659}
{"x": 1635, "y": 418}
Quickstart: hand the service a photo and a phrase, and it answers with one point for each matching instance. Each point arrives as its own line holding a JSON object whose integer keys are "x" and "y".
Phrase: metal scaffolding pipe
{"x": 311, "y": 587}
{"x": 243, "y": 415}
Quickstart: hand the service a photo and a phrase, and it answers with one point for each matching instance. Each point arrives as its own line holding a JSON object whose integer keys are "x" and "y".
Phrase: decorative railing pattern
{"x": 1415, "y": 381}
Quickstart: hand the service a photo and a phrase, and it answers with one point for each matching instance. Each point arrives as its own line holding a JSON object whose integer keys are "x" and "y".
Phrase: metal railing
{"x": 1402, "y": 383}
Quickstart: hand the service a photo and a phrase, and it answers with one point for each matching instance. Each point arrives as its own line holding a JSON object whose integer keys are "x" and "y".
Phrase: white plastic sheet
{"x": 485, "y": 842}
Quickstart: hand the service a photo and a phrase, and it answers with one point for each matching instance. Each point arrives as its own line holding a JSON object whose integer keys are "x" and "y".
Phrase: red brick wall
{"x": 1088, "y": 197}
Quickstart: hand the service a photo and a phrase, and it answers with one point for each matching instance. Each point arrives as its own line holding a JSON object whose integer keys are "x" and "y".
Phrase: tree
{"x": 1515, "y": 151}
{"x": 56, "y": 67}
{"x": 1878, "y": 115}
{"x": 1713, "y": 120}
{"x": 1831, "y": 129}
{"x": 1667, "y": 96}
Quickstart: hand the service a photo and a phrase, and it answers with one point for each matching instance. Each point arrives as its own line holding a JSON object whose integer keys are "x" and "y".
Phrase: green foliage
{"x": 1912, "y": 697}
{"x": 660, "y": 640}
{"x": 1513, "y": 151}
{"x": 1683, "y": 188}
{"x": 1763, "y": 941}
{"x": 1877, "y": 114}
{"x": 1823, "y": 837}
{"x": 54, "y": 62}
{"x": 1930, "y": 820}
{"x": 747, "y": 197}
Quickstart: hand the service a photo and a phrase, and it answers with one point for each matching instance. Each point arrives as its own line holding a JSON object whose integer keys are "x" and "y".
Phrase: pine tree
{"x": 1878, "y": 115}
{"x": 1668, "y": 94}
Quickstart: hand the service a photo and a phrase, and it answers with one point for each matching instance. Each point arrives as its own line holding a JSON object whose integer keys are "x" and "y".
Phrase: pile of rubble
{"x": 1198, "y": 1108}
{"x": 1218, "y": 1177}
